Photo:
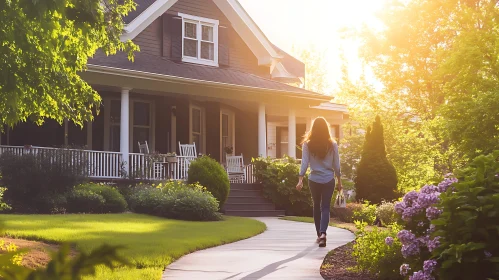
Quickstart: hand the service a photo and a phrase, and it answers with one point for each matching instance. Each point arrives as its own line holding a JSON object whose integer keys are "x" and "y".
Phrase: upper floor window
{"x": 200, "y": 40}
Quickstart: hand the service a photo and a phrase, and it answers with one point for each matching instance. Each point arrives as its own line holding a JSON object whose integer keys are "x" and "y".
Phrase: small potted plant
{"x": 229, "y": 150}
{"x": 171, "y": 157}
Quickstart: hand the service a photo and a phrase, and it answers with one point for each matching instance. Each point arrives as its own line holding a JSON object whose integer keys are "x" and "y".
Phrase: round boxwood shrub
{"x": 115, "y": 202}
{"x": 386, "y": 213}
{"x": 211, "y": 175}
{"x": 177, "y": 201}
{"x": 84, "y": 201}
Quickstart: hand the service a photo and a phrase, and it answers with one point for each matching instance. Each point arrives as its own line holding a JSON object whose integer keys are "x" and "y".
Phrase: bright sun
{"x": 306, "y": 23}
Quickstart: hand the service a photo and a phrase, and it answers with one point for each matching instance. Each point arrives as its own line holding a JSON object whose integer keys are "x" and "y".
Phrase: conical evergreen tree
{"x": 376, "y": 177}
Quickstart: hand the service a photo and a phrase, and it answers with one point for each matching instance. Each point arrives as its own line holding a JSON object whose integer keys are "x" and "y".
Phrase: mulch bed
{"x": 38, "y": 254}
{"x": 338, "y": 263}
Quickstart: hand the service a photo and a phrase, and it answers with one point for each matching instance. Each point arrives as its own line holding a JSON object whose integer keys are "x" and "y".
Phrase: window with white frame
{"x": 200, "y": 40}
{"x": 197, "y": 128}
{"x": 142, "y": 123}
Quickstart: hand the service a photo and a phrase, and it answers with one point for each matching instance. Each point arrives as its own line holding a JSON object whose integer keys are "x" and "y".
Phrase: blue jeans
{"x": 321, "y": 196}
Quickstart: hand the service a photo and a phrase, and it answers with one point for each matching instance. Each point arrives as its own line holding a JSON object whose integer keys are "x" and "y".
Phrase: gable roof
{"x": 292, "y": 64}
{"x": 149, "y": 10}
{"x": 142, "y": 5}
{"x": 153, "y": 65}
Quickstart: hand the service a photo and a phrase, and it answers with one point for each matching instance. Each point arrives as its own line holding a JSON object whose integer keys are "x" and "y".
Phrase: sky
{"x": 318, "y": 24}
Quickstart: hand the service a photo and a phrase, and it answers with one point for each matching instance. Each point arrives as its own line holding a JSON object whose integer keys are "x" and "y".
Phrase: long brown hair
{"x": 319, "y": 138}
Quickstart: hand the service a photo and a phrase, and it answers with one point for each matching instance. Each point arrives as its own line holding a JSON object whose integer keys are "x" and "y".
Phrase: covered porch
{"x": 164, "y": 111}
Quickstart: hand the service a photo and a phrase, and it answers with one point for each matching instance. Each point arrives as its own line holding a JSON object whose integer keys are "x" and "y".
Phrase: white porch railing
{"x": 157, "y": 167}
{"x": 250, "y": 174}
{"x": 110, "y": 165}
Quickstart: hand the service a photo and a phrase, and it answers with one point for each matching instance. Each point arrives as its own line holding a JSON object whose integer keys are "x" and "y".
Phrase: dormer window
{"x": 200, "y": 40}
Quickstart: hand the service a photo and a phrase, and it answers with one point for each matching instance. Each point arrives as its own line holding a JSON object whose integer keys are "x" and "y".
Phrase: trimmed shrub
{"x": 211, "y": 175}
{"x": 376, "y": 177}
{"x": 386, "y": 213}
{"x": 346, "y": 214}
{"x": 85, "y": 201}
{"x": 36, "y": 182}
{"x": 176, "y": 200}
{"x": 367, "y": 213}
{"x": 4, "y": 207}
{"x": 279, "y": 178}
{"x": 378, "y": 251}
{"x": 114, "y": 200}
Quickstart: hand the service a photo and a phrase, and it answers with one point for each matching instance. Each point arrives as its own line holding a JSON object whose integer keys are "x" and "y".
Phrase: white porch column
{"x": 309, "y": 124}
{"x": 262, "y": 131}
{"x": 292, "y": 133}
{"x": 124, "y": 134}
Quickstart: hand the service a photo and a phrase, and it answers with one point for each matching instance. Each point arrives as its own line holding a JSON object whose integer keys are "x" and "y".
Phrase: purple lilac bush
{"x": 418, "y": 209}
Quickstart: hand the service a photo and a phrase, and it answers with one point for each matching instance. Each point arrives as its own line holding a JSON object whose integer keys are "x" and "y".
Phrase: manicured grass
{"x": 151, "y": 242}
{"x": 348, "y": 226}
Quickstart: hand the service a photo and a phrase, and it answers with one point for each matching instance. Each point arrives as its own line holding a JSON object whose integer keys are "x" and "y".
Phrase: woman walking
{"x": 320, "y": 151}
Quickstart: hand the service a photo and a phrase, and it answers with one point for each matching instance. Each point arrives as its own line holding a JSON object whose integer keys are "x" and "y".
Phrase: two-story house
{"x": 205, "y": 74}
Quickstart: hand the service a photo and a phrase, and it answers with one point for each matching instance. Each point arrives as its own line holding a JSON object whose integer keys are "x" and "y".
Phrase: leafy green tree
{"x": 376, "y": 177}
{"x": 351, "y": 149}
{"x": 438, "y": 60}
{"x": 44, "y": 45}
{"x": 315, "y": 69}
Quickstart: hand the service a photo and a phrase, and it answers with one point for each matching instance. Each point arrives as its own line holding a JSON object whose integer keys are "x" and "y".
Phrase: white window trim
{"x": 201, "y": 149}
{"x": 232, "y": 130}
{"x": 107, "y": 122}
{"x": 200, "y": 21}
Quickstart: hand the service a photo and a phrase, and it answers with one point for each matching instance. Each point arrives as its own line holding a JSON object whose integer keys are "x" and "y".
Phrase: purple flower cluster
{"x": 389, "y": 241}
{"x": 429, "y": 266}
{"x": 425, "y": 200}
{"x": 420, "y": 275}
{"x": 415, "y": 203}
{"x": 433, "y": 213}
{"x": 414, "y": 207}
{"x": 425, "y": 274}
{"x": 406, "y": 237}
{"x": 446, "y": 183}
{"x": 404, "y": 269}
{"x": 410, "y": 250}
{"x": 432, "y": 244}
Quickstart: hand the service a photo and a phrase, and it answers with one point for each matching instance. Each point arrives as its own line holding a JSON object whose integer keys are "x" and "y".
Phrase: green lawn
{"x": 151, "y": 242}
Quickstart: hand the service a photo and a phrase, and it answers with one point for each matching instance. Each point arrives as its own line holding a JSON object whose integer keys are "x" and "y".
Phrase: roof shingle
{"x": 153, "y": 64}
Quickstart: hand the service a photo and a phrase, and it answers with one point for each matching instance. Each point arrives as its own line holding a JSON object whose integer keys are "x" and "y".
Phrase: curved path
{"x": 286, "y": 250}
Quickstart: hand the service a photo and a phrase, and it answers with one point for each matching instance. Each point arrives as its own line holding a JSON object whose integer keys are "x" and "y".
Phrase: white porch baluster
{"x": 124, "y": 134}
{"x": 292, "y": 133}
{"x": 262, "y": 131}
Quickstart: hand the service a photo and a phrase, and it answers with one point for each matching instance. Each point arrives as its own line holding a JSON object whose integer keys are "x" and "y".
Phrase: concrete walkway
{"x": 286, "y": 250}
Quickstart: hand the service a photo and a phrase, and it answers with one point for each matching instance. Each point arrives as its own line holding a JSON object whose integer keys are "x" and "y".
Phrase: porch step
{"x": 246, "y": 199}
{"x": 249, "y": 206}
{"x": 255, "y": 213}
{"x": 253, "y": 193}
{"x": 245, "y": 187}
